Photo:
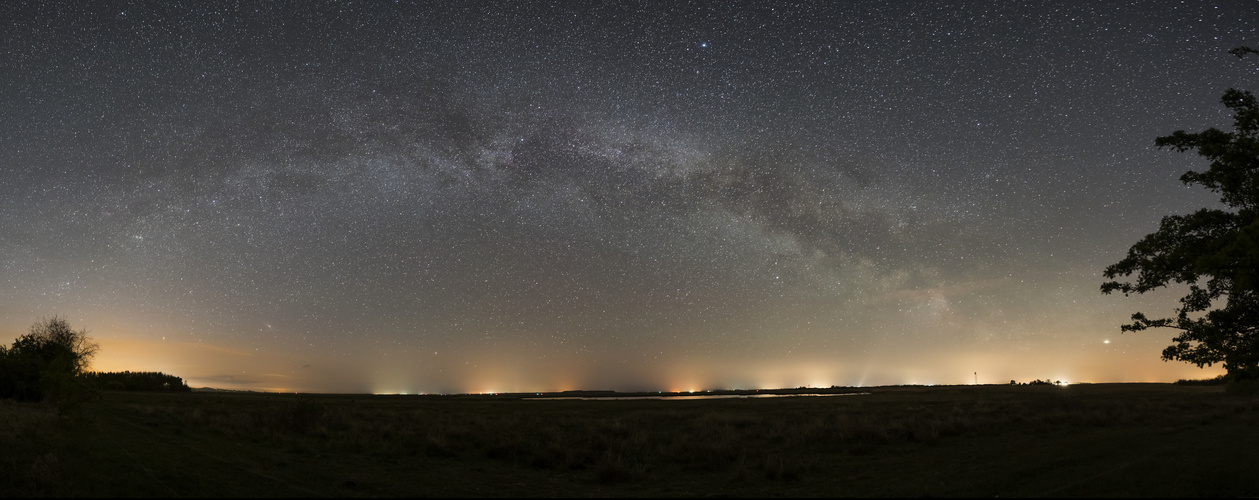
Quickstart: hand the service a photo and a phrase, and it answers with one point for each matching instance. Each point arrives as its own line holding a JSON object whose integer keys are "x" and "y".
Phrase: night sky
{"x": 492, "y": 196}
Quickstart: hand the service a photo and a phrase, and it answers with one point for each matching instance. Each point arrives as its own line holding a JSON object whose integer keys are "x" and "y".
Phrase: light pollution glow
{"x": 1124, "y": 360}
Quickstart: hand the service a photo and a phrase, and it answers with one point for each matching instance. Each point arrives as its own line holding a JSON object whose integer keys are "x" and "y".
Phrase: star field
{"x": 416, "y": 197}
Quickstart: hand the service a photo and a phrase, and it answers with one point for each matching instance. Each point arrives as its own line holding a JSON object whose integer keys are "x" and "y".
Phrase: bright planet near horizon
{"x": 424, "y": 197}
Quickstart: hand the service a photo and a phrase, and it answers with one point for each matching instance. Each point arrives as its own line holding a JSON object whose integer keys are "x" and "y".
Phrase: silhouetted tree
{"x": 44, "y": 361}
{"x": 1214, "y": 251}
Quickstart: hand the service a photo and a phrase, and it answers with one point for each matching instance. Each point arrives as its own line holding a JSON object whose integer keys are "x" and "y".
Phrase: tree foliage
{"x": 1214, "y": 251}
{"x": 45, "y": 361}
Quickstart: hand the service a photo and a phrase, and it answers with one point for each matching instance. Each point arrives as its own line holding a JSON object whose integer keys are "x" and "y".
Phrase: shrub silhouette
{"x": 44, "y": 363}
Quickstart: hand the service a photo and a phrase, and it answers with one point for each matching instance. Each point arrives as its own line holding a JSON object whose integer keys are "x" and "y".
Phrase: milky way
{"x": 532, "y": 196}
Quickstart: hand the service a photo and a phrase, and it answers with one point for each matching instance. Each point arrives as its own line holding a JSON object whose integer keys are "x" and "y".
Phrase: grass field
{"x": 1083, "y": 440}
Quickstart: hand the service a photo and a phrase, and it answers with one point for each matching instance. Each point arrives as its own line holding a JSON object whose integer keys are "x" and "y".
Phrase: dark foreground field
{"x": 1087, "y": 440}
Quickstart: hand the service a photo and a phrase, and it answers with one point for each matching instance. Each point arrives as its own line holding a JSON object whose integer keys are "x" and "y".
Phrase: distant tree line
{"x": 135, "y": 381}
{"x": 1220, "y": 379}
{"x": 1037, "y": 382}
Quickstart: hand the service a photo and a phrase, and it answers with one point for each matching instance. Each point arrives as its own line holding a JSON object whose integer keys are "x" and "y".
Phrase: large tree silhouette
{"x": 1214, "y": 251}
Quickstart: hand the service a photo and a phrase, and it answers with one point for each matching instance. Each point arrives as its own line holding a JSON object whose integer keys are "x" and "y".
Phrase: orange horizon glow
{"x": 218, "y": 366}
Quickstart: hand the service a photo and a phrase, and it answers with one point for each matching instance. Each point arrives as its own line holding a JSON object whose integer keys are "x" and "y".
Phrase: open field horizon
{"x": 801, "y": 391}
{"x": 1129, "y": 358}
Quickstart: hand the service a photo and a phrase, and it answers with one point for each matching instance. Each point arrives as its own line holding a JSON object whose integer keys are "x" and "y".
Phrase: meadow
{"x": 1080, "y": 440}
